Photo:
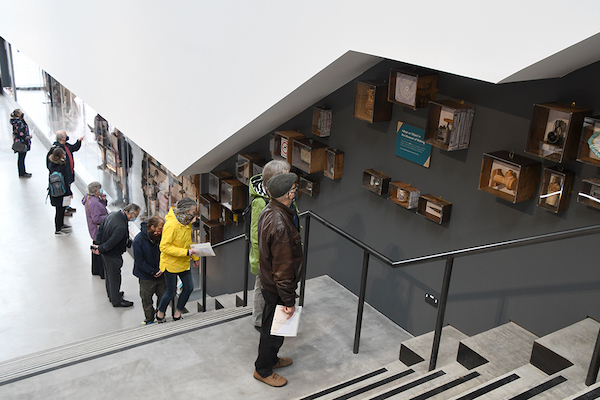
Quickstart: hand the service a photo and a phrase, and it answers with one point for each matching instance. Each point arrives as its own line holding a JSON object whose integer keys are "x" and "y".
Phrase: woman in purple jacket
{"x": 96, "y": 212}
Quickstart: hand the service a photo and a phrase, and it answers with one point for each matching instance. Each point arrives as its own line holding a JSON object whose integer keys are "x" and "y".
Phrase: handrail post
{"x": 203, "y": 277}
{"x": 361, "y": 301}
{"x": 246, "y": 267}
{"x": 304, "y": 258}
{"x": 594, "y": 364}
{"x": 441, "y": 314}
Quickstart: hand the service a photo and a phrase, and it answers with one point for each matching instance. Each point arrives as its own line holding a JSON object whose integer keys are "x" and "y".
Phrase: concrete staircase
{"x": 506, "y": 362}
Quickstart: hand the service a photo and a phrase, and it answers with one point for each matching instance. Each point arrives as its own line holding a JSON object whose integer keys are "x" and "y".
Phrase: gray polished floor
{"x": 51, "y": 299}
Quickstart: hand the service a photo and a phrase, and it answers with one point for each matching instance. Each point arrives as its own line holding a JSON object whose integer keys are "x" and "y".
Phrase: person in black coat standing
{"x": 21, "y": 135}
{"x": 57, "y": 163}
{"x": 112, "y": 241}
{"x": 146, "y": 257}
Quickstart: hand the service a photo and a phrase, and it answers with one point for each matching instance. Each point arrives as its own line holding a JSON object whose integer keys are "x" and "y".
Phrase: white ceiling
{"x": 193, "y": 82}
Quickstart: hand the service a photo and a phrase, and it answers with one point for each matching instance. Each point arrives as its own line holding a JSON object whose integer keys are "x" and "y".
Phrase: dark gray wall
{"x": 543, "y": 287}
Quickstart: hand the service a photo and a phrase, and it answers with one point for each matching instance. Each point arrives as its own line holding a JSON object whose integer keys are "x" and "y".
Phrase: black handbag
{"x": 19, "y": 147}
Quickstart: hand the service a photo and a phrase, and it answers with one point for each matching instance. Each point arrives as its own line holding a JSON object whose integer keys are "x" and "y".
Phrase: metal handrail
{"x": 449, "y": 256}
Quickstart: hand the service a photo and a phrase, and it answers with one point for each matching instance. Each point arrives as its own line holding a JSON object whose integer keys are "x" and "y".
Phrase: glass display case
{"x": 449, "y": 124}
{"x": 309, "y": 155}
{"x": 370, "y": 102}
{"x": 375, "y": 181}
{"x": 434, "y": 208}
{"x": 321, "y": 121}
{"x": 413, "y": 88}
{"x": 509, "y": 176}
{"x": 555, "y": 189}
{"x": 404, "y": 194}
{"x": 334, "y": 163}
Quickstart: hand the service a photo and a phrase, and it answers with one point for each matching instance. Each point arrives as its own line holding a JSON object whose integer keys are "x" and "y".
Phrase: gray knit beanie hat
{"x": 281, "y": 184}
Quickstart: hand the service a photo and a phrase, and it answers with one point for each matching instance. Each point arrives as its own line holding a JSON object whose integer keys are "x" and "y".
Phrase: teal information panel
{"x": 410, "y": 144}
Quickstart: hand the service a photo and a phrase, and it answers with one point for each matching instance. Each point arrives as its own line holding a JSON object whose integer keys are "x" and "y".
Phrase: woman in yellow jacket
{"x": 175, "y": 254}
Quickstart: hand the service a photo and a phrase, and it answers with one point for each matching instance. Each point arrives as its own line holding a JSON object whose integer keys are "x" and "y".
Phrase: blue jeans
{"x": 171, "y": 280}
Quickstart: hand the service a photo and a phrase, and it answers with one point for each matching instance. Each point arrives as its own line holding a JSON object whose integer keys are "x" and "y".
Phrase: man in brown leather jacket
{"x": 280, "y": 263}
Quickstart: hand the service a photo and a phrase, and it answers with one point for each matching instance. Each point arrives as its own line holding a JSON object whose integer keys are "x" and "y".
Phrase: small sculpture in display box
{"x": 282, "y": 146}
{"x": 321, "y": 121}
{"x": 370, "y": 102}
{"x": 590, "y": 193}
{"x": 434, "y": 208}
{"x": 209, "y": 208}
{"x": 554, "y": 131}
{"x": 375, "y": 181}
{"x": 413, "y": 88}
{"x": 589, "y": 144}
{"x": 555, "y": 189}
{"x": 233, "y": 194}
{"x": 308, "y": 185}
{"x": 309, "y": 155}
{"x": 511, "y": 177}
{"x": 404, "y": 194}
{"x": 334, "y": 164}
{"x": 214, "y": 183}
{"x": 245, "y": 166}
{"x": 449, "y": 124}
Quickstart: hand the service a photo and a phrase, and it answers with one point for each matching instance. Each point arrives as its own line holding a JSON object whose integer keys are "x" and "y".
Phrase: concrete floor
{"x": 51, "y": 299}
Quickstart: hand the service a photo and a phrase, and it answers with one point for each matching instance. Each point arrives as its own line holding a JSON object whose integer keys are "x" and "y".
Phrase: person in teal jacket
{"x": 259, "y": 198}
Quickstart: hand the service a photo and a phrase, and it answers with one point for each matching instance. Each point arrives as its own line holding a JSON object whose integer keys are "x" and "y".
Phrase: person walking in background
{"x": 175, "y": 256}
{"x": 21, "y": 140}
{"x": 57, "y": 163}
{"x": 112, "y": 241}
{"x": 96, "y": 212}
{"x": 260, "y": 198}
{"x": 69, "y": 149}
{"x": 146, "y": 258}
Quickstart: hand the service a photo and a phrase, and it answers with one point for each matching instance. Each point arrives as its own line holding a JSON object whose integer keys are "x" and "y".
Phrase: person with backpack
{"x": 59, "y": 189}
{"x": 260, "y": 198}
{"x": 69, "y": 149}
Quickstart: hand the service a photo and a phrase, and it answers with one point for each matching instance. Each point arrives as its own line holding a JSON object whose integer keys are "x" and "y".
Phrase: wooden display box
{"x": 370, "y": 102}
{"x": 554, "y": 131}
{"x": 214, "y": 183}
{"x": 308, "y": 185}
{"x": 434, "y": 208}
{"x": 590, "y": 193}
{"x": 209, "y": 208}
{"x": 321, "y": 121}
{"x": 376, "y": 181}
{"x": 233, "y": 194}
{"x": 211, "y": 231}
{"x": 414, "y": 89}
{"x": 334, "y": 163}
{"x": 258, "y": 169}
{"x": 283, "y": 145}
{"x": 404, "y": 194}
{"x": 245, "y": 166}
{"x": 309, "y": 155}
{"x": 555, "y": 190}
{"x": 589, "y": 145}
{"x": 449, "y": 124}
{"x": 511, "y": 177}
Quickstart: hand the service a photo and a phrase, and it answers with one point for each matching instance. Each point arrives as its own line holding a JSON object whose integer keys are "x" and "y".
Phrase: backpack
{"x": 247, "y": 215}
{"x": 56, "y": 185}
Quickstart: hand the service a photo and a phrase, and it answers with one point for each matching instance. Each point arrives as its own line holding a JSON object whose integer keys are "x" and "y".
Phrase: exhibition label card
{"x": 411, "y": 145}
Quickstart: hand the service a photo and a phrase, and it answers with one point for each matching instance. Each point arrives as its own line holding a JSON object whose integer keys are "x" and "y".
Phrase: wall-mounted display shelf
{"x": 589, "y": 145}
{"x": 245, "y": 166}
{"x": 209, "y": 208}
{"x": 404, "y": 194}
{"x": 321, "y": 121}
{"x": 309, "y": 155}
{"x": 308, "y": 185}
{"x": 412, "y": 88}
{"x": 375, "y": 181}
{"x": 555, "y": 189}
{"x": 509, "y": 176}
{"x": 282, "y": 145}
{"x": 590, "y": 193}
{"x": 211, "y": 231}
{"x": 334, "y": 163}
{"x": 434, "y": 208}
{"x": 370, "y": 102}
{"x": 449, "y": 124}
{"x": 554, "y": 131}
{"x": 214, "y": 183}
{"x": 233, "y": 194}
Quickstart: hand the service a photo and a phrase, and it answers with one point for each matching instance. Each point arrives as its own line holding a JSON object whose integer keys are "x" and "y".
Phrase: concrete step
{"x": 416, "y": 352}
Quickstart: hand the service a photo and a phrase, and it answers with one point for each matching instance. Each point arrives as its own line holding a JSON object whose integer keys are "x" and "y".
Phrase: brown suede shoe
{"x": 272, "y": 380}
{"x": 283, "y": 362}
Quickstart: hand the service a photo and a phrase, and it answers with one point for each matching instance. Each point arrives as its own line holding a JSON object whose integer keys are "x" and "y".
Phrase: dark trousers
{"x": 97, "y": 265}
{"x": 112, "y": 275}
{"x": 21, "y": 163}
{"x": 59, "y": 217}
{"x": 269, "y": 345}
{"x": 171, "y": 281}
{"x": 149, "y": 288}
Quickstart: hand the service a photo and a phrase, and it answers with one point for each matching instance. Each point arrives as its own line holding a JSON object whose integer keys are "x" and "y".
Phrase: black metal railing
{"x": 447, "y": 256}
